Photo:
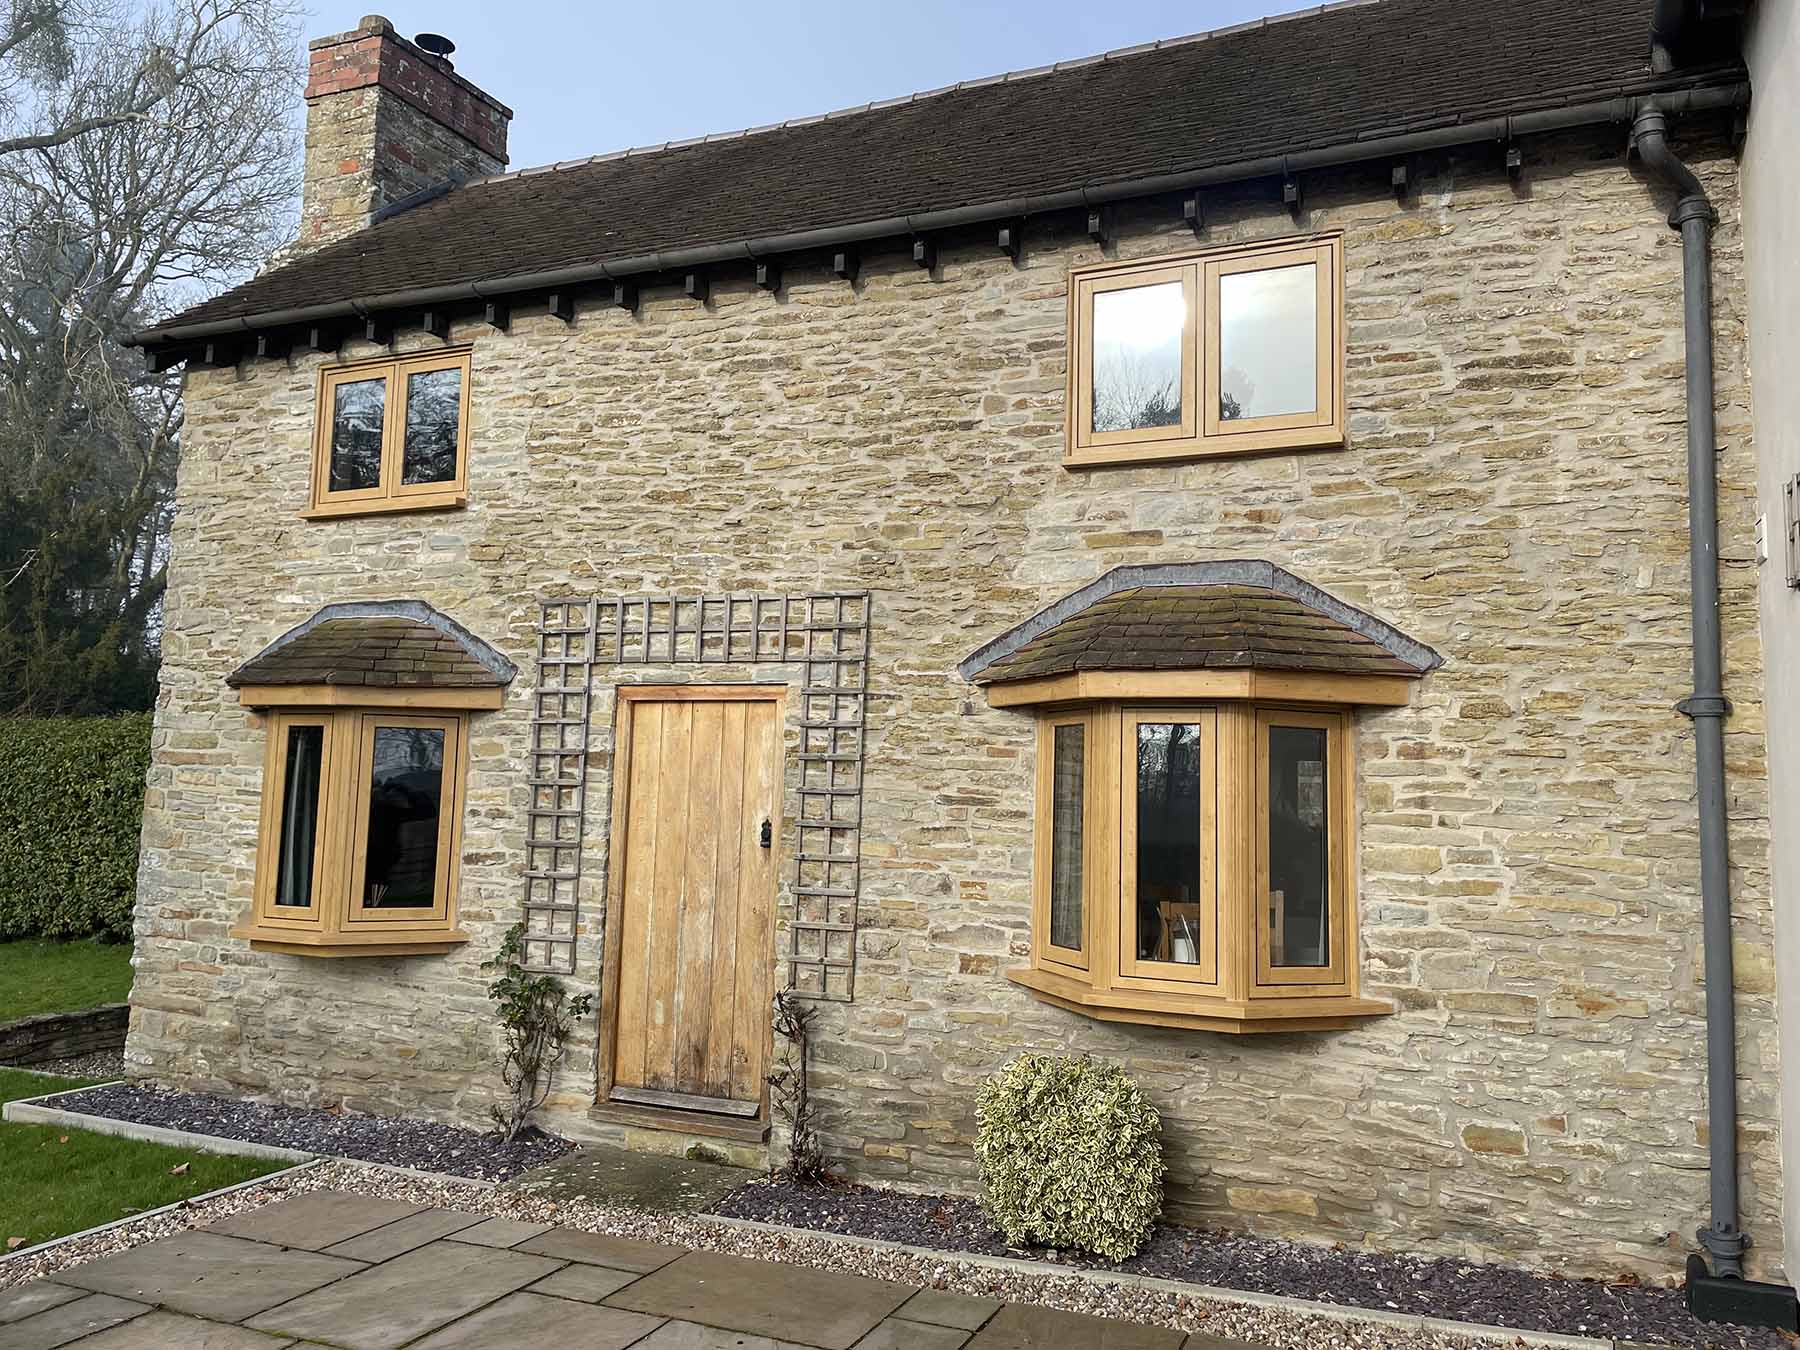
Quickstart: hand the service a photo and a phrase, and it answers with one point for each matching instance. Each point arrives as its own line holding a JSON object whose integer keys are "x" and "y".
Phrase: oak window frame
{"x": 1233, "y": 987}
{"x": 1207, "y": 435}
{"x": 390, "y": 494}
{"x": 336, "y": 923}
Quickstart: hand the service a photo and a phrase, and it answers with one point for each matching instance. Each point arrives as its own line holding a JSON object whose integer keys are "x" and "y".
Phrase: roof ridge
{"x": 1006, "y": 77}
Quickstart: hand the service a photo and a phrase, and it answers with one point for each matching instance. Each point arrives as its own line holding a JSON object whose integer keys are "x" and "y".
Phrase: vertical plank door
{"x": 701, "y": 775}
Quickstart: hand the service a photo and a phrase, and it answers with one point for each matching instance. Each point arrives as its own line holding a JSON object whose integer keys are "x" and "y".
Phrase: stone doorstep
{"x": 33, "y": 1111}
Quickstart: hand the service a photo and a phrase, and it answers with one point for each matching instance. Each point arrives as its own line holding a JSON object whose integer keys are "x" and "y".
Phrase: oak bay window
{"x": 392, "y": 435}
{"x": 1231, "y": 351}
{"x": 361, "y": 825}
{"x": 1209, "y": 885}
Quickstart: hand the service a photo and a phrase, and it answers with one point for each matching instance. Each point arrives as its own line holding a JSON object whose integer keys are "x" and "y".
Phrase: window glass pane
{"x": 1299, "y": 934}
{"x": 1168, "y": 842}
{"x": 1066, "y": 825}
{"x": 433, "y": 408}
{"x": 1138, "y": 334}
{"x": 299, "y": 817}
{"x": 405, "y": 794}
{"x": 1269, "y": 342}
{"x": 357, "y": 409}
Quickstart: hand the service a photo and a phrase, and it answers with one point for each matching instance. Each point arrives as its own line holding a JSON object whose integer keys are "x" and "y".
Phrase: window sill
{"x": 1212, "y": 447}
{"x": 301, "y": 942}
{"x": 1198, "y": 1012}
{"x": 387, "y": 506}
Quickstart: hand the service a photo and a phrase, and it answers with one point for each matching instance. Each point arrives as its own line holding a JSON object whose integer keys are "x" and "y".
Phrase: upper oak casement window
{"x": 1194, "y": 835}
{"x": 1232, "y": 351}
{"x": 392, "y": 434}
{"x": 367, "y": 709}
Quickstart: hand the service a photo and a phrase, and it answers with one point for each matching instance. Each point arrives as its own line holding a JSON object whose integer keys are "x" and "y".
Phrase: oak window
{"x": 392, "y": 435}
{"x": 1209, "y": 886}
{"x": 361, "y": 829}
{"x": 1231, "y": 351}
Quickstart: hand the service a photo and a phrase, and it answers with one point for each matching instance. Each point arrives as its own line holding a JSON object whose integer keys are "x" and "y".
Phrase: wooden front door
{"x": 696, "y": 810}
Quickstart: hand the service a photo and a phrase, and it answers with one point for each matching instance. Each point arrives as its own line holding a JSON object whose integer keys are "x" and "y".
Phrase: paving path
{"x": 368, "y": 1274}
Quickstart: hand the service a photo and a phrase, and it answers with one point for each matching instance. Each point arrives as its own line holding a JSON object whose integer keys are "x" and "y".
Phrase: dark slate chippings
{"x": 1460, "y": 1290}
{"x": 380, "y": 1139}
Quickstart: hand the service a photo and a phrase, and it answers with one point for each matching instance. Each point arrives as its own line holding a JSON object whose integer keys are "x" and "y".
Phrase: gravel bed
{"x": 1460, "y": 1290}
{"x": 96, "y": 1064}
{"x": 1278, "y": 1329}
{"x": 419, "y": 1144}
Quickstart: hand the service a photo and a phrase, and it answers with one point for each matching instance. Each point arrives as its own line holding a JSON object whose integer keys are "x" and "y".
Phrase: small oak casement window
{"x": 392, "y": 435}
{"x": 360, "y": 835}
{"x": 1233, "y": 351}
{"x": 1193, "y": 866}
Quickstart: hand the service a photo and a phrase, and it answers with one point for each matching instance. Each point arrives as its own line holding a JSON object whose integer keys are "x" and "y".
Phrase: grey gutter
{"x": 1706, "y": 707}
{"x": 1620, "y": 109}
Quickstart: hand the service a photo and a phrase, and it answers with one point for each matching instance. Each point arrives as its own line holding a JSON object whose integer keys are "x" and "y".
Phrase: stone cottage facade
{"x": 875, "y": 448}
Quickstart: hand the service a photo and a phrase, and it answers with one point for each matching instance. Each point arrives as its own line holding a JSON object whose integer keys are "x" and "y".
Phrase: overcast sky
{"x": 586, "y": 76}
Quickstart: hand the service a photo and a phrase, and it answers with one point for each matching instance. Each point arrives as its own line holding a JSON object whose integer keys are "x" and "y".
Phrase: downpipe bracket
{"x": 1704, "y": 705}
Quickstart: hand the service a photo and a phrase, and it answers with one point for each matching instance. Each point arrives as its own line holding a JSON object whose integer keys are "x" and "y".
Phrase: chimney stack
{"x": 385, "y": 119}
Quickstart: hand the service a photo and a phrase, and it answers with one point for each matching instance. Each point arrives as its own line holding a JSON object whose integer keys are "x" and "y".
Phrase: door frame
{"x": 625, "y": 695}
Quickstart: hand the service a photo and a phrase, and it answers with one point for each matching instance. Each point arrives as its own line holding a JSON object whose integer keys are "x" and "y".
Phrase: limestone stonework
{"x": 385, "y": 120}
{"x": 1512, "y": 494}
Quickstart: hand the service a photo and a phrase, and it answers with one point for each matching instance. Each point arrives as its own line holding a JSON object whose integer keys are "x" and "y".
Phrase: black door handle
{"x": 767, "y": 838}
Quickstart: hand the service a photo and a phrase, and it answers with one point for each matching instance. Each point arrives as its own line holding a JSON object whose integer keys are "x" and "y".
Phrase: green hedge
{"x": 71, "y": 805}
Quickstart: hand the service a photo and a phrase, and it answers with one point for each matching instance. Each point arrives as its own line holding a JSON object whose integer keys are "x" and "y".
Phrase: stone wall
{"x": 1513, "y": 494}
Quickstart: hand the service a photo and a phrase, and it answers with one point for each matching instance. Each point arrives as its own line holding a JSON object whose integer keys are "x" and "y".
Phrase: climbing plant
{"x": 537, "y": 1016}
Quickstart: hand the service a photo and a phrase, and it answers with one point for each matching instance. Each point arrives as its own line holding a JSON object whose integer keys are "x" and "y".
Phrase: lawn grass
{"x": 40, "y": 976}
{"x": 55, "y": 1181}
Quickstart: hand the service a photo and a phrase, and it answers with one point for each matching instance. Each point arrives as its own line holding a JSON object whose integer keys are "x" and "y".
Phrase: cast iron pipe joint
{"x": 1650, "y": 140}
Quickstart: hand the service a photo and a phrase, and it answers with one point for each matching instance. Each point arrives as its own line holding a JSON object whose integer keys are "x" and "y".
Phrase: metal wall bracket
{"x": 1193, "y": 212}
{"x": 625, "y": 295}
{"x": 1010, "y": 239}
{"x": 845, "y": 265}
{"x": 1398, "y": 179}
{"x": 1790, "y": 494}
{"x": 1291, "y": 196}
{"x": 562, "y": 305}
{"x": 694, "y": 286}
{"x": 1096, "y": 226}
{"x": 924, "y": 253}
{"x": 437, "y": 323}
{"x": 768, "y": 276}
{"x": 1697, "y": 705}
{"x": 497, "y": 314}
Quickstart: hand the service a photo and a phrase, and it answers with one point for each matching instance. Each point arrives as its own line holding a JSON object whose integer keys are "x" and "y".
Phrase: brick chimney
{"x": 385, "y": 119}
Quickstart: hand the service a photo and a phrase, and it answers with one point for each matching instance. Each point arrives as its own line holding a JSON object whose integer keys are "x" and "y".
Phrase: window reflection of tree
{"x": 1297, "y": 844}
{"x": 1168, "y": 820}
{"x": 357, "y": 412}
{"x": 405, "y": 794}
{"x": 1136, "y": 389}
{"x": 433, "y": 408}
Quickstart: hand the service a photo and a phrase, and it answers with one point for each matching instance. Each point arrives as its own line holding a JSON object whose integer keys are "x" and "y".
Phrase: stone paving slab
{"x": 586, "y": 1284}
{"x": 600, "y": 1249}
{"x": 948, "y": 1310}
{"x": 897, "y": 1334}
{"x": 820, "y": 1307}
{"x": 209, "y": 1274}
{"x": 172, "y": 1331}
{"x": 385, "y": 1306}
{"x": 693, "y": 1336}
{"x": 501, "y": 1232}
{"x": 526, "y": 1319}
{"x": 35, "y": 1297}
{"x": 69, "y": 1322}
{"x": 1022, "y": 1326}
{"x": 403, "y": 1235}
{"x": 315, "y": 1220}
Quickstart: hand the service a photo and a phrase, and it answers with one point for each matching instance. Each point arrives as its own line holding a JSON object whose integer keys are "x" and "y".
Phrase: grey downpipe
{"x": 1706, "y": 707}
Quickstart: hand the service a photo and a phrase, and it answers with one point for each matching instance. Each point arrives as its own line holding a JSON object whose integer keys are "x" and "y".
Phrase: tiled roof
{"x": 1201, "y": 616}
{"x": 409, "y": 646}
{"x": 1321, "y": 78}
